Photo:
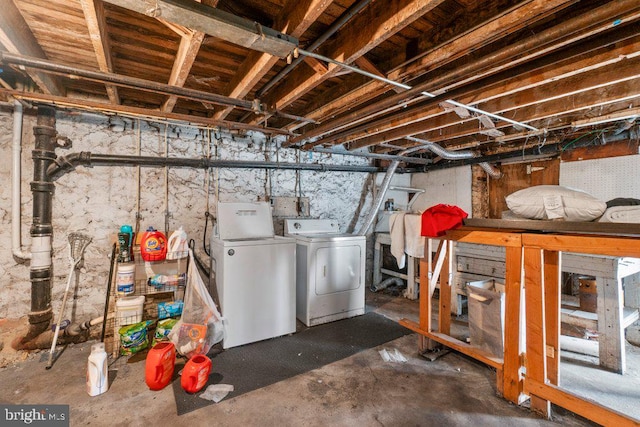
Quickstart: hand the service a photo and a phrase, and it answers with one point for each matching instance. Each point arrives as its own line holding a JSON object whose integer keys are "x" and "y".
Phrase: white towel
{"x": 413, "y": 241}
{"x": 396, "y": 230}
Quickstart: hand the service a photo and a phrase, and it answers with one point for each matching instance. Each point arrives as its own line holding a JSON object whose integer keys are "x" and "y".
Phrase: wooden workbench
{"x": 535, "y": 257}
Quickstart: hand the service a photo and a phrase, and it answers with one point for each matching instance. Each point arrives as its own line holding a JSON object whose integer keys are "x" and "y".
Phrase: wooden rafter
{"x": 491, "y": 29}
{"x": 366, "y": 31}
{"x": 296, "y": 17}
{"x": 190, "y": 42}
{"x": 96, "y": 24}
{"x": 572, "y": 69}
{"x": 16, "y": 37}
{"x": 537, "y": 45}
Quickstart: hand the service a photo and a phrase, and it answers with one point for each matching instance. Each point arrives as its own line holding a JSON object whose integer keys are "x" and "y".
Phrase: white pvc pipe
{"x": 16, "y": 178}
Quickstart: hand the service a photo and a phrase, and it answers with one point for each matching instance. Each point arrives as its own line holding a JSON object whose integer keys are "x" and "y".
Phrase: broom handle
{"x": 106, "y": 302}
{"x": 64, "y": 302}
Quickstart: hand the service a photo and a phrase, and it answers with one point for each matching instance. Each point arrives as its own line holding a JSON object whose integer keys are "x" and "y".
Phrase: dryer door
{"x": 338, "y": 269}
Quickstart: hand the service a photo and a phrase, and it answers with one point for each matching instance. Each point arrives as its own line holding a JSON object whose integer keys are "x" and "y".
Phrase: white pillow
{"x": 553, "y": 202}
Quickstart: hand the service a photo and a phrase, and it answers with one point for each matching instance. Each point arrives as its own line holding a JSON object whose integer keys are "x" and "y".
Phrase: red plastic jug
{"x": 153, "y": 245}
{"x": 159, "y": 365}
{"x": 195, "y": 373}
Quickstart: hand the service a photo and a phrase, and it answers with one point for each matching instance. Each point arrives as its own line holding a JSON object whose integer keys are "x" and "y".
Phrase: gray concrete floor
{"x": 361, "y": 390}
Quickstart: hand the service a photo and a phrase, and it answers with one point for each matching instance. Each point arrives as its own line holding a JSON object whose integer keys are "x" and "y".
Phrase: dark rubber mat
{"x": 260, "y": 364}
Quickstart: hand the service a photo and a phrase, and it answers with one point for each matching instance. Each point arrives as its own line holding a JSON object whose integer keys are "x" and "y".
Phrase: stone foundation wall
{"x": 97, "y": 200}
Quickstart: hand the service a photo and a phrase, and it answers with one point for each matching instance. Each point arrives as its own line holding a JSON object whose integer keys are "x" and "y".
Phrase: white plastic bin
{"x": 129, "y": 310}
{"x": 486, "y": 316}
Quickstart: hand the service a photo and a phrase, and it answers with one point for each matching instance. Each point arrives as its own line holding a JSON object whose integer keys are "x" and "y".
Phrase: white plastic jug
{"x": 97, "y": 377}
{"x": 177, "y": 245}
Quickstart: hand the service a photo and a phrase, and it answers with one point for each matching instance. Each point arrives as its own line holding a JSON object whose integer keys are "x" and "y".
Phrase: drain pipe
{"x": 16, "y": 180}
{"x": 41, "y": 270}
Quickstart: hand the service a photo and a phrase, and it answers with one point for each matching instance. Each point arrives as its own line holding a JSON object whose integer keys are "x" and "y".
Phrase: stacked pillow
{"x": 555, "y": 202}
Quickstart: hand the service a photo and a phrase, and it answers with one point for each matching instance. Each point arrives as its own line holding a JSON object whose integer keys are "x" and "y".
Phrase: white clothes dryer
{"x": 330, "y": 271}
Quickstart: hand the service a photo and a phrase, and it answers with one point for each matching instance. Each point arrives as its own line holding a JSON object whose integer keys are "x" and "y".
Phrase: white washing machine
{"x": 330, "y": 269}
{"x": 254, "y": 273}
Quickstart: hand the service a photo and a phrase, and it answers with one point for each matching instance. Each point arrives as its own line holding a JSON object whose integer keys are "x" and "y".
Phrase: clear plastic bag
{"x": 201, "y": 325}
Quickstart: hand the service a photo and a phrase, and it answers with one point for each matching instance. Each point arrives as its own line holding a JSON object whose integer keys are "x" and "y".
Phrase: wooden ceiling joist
{"x": 96, "y": 24}
{"x": 366, "y": 31}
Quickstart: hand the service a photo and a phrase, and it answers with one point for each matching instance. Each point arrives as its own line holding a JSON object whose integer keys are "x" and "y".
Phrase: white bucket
{"x": 125, "y": 281}
{"x": 129, "y": 310}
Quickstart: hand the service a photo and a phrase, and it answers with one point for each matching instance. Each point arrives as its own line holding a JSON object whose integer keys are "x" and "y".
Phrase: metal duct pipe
{"x": 16, "y": 182}
{"x": 40, "y": 271}
{"x": 491, "y": 170}
{"x": 66, "y": 163}
{"x": 343, "y": 19}
{"x": 386, "y": 182}
{"x": 457, "y": 155}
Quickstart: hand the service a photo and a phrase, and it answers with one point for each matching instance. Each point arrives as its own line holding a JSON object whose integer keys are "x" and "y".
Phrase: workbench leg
{"x": 536, "y": 366}
{"x": 424, "y": 343}
{"x": 610, "y": 332}
{"x": 444, "y": 322}
{"x": 511, "y": 382}
{"x": 552, "y": 314}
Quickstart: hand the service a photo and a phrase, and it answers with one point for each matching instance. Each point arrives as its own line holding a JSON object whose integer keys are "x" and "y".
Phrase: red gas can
{"x": 159, "y": 365}
{"x": 195, "y": 373}
{"x": 153, "y": 245}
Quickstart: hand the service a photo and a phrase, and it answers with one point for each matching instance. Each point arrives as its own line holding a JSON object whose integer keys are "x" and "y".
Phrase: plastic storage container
{"x": 153, "y": 245}
{"x": 159, "y": 365}
{"x": 125, "y": 281}
{"x": 195, "y": 373}
{"x": 129, "y": 310}
{"x": 97, "y": 377}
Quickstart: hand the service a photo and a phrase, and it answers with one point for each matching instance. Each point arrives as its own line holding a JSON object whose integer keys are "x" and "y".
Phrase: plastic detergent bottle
{"x": 159, "y": 365}
{"x": 177, "y": 244}
{"x": 195, "y": 373}
{"x": 153, "y": 245}
{"x": 97, "y": 378}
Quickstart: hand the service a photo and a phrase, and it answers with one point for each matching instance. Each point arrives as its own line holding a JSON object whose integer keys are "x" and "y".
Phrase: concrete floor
{"x": 361, "y": 390}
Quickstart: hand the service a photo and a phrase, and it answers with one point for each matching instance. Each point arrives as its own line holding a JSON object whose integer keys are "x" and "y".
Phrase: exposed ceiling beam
{"x": 596, "y": 21}
{"x": 216, "y": 23}
{"x": 371, "y": 27}
{"x": 17, "y": 38}
{"x": 85, "y": 105}
{"x": 187, "y": 52}
{"x": 554, "y": 68}
{"x": 296, "y": 18}
{"x": 96, "y": 24}
{"x": 190, "y": 42}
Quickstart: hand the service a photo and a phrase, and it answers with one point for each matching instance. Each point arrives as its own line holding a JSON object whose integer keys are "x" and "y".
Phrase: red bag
{"x": 439, "y": 218}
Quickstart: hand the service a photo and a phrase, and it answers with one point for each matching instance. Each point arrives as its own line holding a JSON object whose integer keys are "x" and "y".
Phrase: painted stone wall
{"x": 97, "y": 200}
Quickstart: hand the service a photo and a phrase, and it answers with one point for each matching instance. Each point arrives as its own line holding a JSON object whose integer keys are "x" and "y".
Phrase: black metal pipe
{"x": 41, "y": 270}
{"x": 67, "y": 163}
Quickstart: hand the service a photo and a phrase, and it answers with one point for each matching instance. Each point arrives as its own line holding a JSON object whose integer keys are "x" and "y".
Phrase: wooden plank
{"x": 552, "y": 314}
{"x": 96, "y": 24}
{"x": 484, "y": 267}
{"x": 584, "y": 407}
{"x": 558, "y": 227}
{"x": 488, "y": 237}
{"x": 536, "y": 365}
{"x": 612, "y": 149}
{"x": 185, "y": 57}
{"x": 16, "y": 37}
{"x": 367, "y": 30}
{"x": 134, "y": 111}
{"x": 475, "y": 250}
{"x": 425, "y": 296}
{"x": 594, "y": 244}
{"x": 316, "y": 65}
{"x": 512, "y": 328}
{"x": 444, "y": 320}
{"x": 455, "y": 344}
{"x": 610, "y": 331}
